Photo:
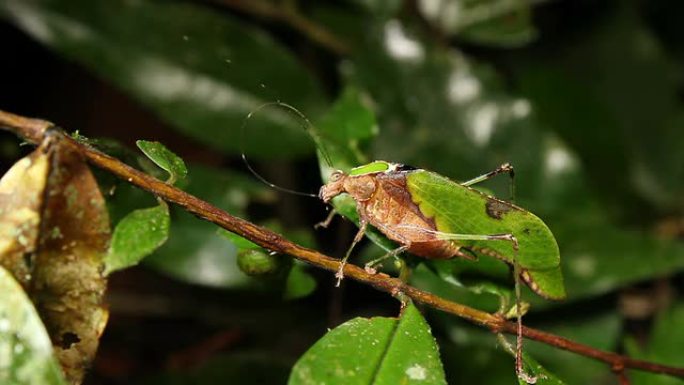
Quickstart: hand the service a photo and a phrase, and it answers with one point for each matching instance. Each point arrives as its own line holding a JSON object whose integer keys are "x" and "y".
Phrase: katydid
{"x": 433, "y": 217}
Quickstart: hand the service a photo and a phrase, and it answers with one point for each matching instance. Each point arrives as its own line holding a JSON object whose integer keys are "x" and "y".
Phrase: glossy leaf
{"x": 373, "y": 351}
{"x": 198, "y": 69}
{"x": 136, "y": 236}
{"x": 164, "y": 158}
{"x": 25, "y": 346}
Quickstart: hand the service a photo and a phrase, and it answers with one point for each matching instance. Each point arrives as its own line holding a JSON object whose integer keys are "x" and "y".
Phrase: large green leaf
{"x": 25, "y": 346}
{"x": 373, "y": 351}
{"x": 199, "y": 70}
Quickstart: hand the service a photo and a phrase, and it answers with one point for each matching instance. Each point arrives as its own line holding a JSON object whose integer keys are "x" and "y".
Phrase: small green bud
{"x": 256, "y": 262}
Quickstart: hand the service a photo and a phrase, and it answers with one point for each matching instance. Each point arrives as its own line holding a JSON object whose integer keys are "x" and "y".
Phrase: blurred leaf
{"x": 164, "y": 158}
{"x": 195, "y": 252}
{"x": 136, "y": 236}
{"x": 642, "y": 131}
{"x": 498, "y": 23}
{"x": 199, "y": 69}
{"x": 600, "y": 329}
{"x": 380, "y": 7}
{"x": 299, "y": 283}
{"x": 664, "y": 347}
{"x": 373, "y": 351}
{"x": 473, "y": 355}
{"x": 25, "y": 346}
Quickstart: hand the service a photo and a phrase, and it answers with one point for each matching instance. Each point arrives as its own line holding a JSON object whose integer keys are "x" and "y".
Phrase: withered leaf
{"x": 67, "y": 282}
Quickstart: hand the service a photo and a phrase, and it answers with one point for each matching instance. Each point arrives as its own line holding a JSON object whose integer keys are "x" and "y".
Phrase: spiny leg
{"x": 504, "y": 168}
{"x": 516, "y": 272}
{"x": 363, "y": 224}
{"x": 369, "y": 266}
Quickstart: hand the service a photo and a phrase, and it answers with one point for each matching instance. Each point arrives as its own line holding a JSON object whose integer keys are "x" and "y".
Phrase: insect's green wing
{"x": 458, "y": 209}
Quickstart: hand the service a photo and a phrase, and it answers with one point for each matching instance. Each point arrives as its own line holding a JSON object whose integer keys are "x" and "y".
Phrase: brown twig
{"x": 33, "y": 131}
{"x": 288, "y": 14}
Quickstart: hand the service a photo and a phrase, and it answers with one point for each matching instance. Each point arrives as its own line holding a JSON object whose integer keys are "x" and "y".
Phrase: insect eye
{"x": 335, "y": 176}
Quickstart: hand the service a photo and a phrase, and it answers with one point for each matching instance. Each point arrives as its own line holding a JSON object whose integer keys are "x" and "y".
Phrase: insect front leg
{"x": 326, "y": 222}
{"x": 504, "y": 168}
{"x": 363, "y": 224}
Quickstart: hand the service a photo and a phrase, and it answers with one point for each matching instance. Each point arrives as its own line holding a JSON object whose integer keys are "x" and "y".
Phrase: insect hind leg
{"x": 516, "y": 273}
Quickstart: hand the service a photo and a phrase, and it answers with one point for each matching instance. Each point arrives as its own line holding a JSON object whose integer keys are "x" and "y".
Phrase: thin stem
{"x": 33, "y": 131}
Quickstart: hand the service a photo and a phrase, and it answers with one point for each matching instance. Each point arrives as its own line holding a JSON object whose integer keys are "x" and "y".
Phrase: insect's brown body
{"x": 384, "y": 202}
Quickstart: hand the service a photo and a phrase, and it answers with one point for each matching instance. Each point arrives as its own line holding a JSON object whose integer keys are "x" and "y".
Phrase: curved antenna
{"x": 307, "y": 125}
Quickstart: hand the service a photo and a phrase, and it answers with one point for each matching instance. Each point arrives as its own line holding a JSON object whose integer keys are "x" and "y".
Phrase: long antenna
{"x": 308, "y": 127}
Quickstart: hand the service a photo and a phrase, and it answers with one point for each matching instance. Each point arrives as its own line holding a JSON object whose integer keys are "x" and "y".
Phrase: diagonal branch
{"x": 33, "y": 131}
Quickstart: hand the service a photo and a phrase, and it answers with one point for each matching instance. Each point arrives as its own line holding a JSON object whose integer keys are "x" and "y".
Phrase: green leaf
{"x": 195, "y": 253}
{"x": 664, "y": 347}
{"x": 199, "y": 69}
{"x": 299, "y": 283}
{"x": 373, "y": 351}
{"x": 25, "y": 346}
{"x": 164, "y": 158}
{"x": 136, "y": 236}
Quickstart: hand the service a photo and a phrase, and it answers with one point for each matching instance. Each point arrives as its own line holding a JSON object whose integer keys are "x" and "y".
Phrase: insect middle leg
{"x": 504, "y": 168}
{"x": 363, "y": 224}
